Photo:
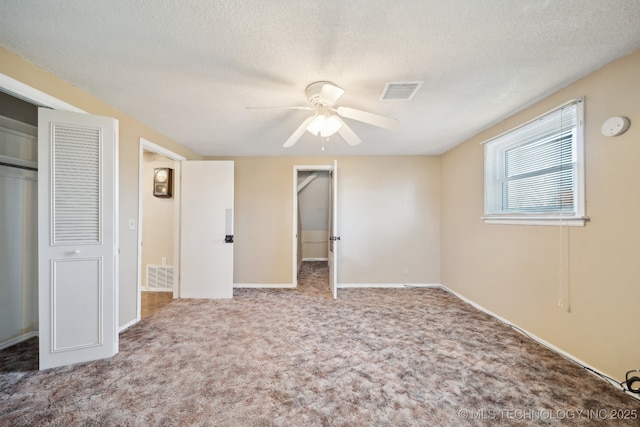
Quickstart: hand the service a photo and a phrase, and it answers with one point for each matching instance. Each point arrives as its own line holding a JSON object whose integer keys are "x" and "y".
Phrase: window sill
{"x": 533, "y": 220}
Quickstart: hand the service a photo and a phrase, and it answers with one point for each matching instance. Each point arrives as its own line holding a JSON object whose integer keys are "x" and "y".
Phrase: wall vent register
{"x": 159, "y": 277}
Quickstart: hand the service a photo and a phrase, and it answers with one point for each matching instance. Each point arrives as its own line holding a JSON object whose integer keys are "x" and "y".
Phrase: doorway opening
{"x": 158, "y": 230}
{"x": 312, "y": 227}
{"x": 18, "y": 220}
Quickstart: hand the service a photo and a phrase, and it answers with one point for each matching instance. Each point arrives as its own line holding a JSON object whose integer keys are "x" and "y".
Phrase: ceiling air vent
{"x": 400, "y": 91}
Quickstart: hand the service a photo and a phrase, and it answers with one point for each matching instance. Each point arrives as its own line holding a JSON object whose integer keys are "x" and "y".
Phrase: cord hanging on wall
{"x": 615, "y": 126}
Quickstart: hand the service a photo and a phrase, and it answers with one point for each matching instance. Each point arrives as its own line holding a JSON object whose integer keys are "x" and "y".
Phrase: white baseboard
{"x": 128, "y": 324}
{"x": 423, "y": 285}
{"x": 263, "y": 285}
{"x": 18, "y": 339}
{"x": 388, "y": 285}
{"x": 518, "y": 328}
{"x": 539, "y": 340}
{"x": 528, "y": 334}
{"x": 315, "y": 259}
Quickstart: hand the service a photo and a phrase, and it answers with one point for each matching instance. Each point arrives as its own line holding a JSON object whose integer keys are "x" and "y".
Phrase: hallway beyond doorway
{"x": 153, "y": 301}
{"x": 313, "y": 279}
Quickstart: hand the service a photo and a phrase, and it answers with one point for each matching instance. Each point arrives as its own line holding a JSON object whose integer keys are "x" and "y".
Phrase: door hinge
{"x": 334, "y": 238}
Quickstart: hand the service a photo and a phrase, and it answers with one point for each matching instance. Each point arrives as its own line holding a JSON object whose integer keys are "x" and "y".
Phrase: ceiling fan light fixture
{"x": 324, "y": 125}
{"x": 327, "y": 119}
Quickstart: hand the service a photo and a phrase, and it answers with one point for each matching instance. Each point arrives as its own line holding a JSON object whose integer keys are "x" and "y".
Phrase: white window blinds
{"x": 536, "y": 169}
{"x": 76, "y": 184}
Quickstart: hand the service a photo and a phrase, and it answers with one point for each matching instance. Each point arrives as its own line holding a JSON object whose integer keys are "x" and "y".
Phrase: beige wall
{"x": 388, "y": 211}
{"x": 158, "y": 217}
{"x": 515, "y": 271}
{"x": 130, "y": 133}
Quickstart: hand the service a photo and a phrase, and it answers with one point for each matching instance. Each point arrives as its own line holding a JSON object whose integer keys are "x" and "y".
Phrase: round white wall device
{"x": 615, "y": 126}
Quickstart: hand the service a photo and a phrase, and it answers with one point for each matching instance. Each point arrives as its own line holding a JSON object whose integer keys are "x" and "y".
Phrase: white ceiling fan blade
{"x": 348, "y": 134}
{"x": 366, "y": 117}
{"x": 330, "y": 94}
{"x": 278, "y": 108}
{"x": 298, "y": 133}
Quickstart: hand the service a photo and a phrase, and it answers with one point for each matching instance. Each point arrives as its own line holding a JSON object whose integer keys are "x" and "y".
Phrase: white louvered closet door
{"x": 77, "y": 237}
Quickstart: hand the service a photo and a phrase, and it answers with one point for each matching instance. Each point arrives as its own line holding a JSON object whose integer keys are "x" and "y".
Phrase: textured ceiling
{"x": 188, "y": 68}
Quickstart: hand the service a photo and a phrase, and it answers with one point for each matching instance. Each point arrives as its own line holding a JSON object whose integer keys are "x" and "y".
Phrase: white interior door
{"x": 206, "y": 229}
{"x": 334, "y": 238}
{"x": 77, "y": 237}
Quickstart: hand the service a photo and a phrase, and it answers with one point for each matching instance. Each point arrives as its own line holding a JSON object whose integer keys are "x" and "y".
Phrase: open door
{"x": 77, "y": 237}
{"x": 334, "y": 238}
{"x": 206, "y": 229}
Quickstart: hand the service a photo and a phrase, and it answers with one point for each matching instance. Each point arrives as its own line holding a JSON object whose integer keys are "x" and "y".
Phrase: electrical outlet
{"x": 132, "y": 224}
{"x": 405, "y": 271}
{"x": 164, "y": 261}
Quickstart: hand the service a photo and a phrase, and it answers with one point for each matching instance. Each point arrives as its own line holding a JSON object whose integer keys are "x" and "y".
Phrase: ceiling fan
{"x": 327, "y": 119}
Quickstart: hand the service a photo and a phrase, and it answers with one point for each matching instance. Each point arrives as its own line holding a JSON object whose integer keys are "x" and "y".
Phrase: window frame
{"x": 577, "y": 216}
